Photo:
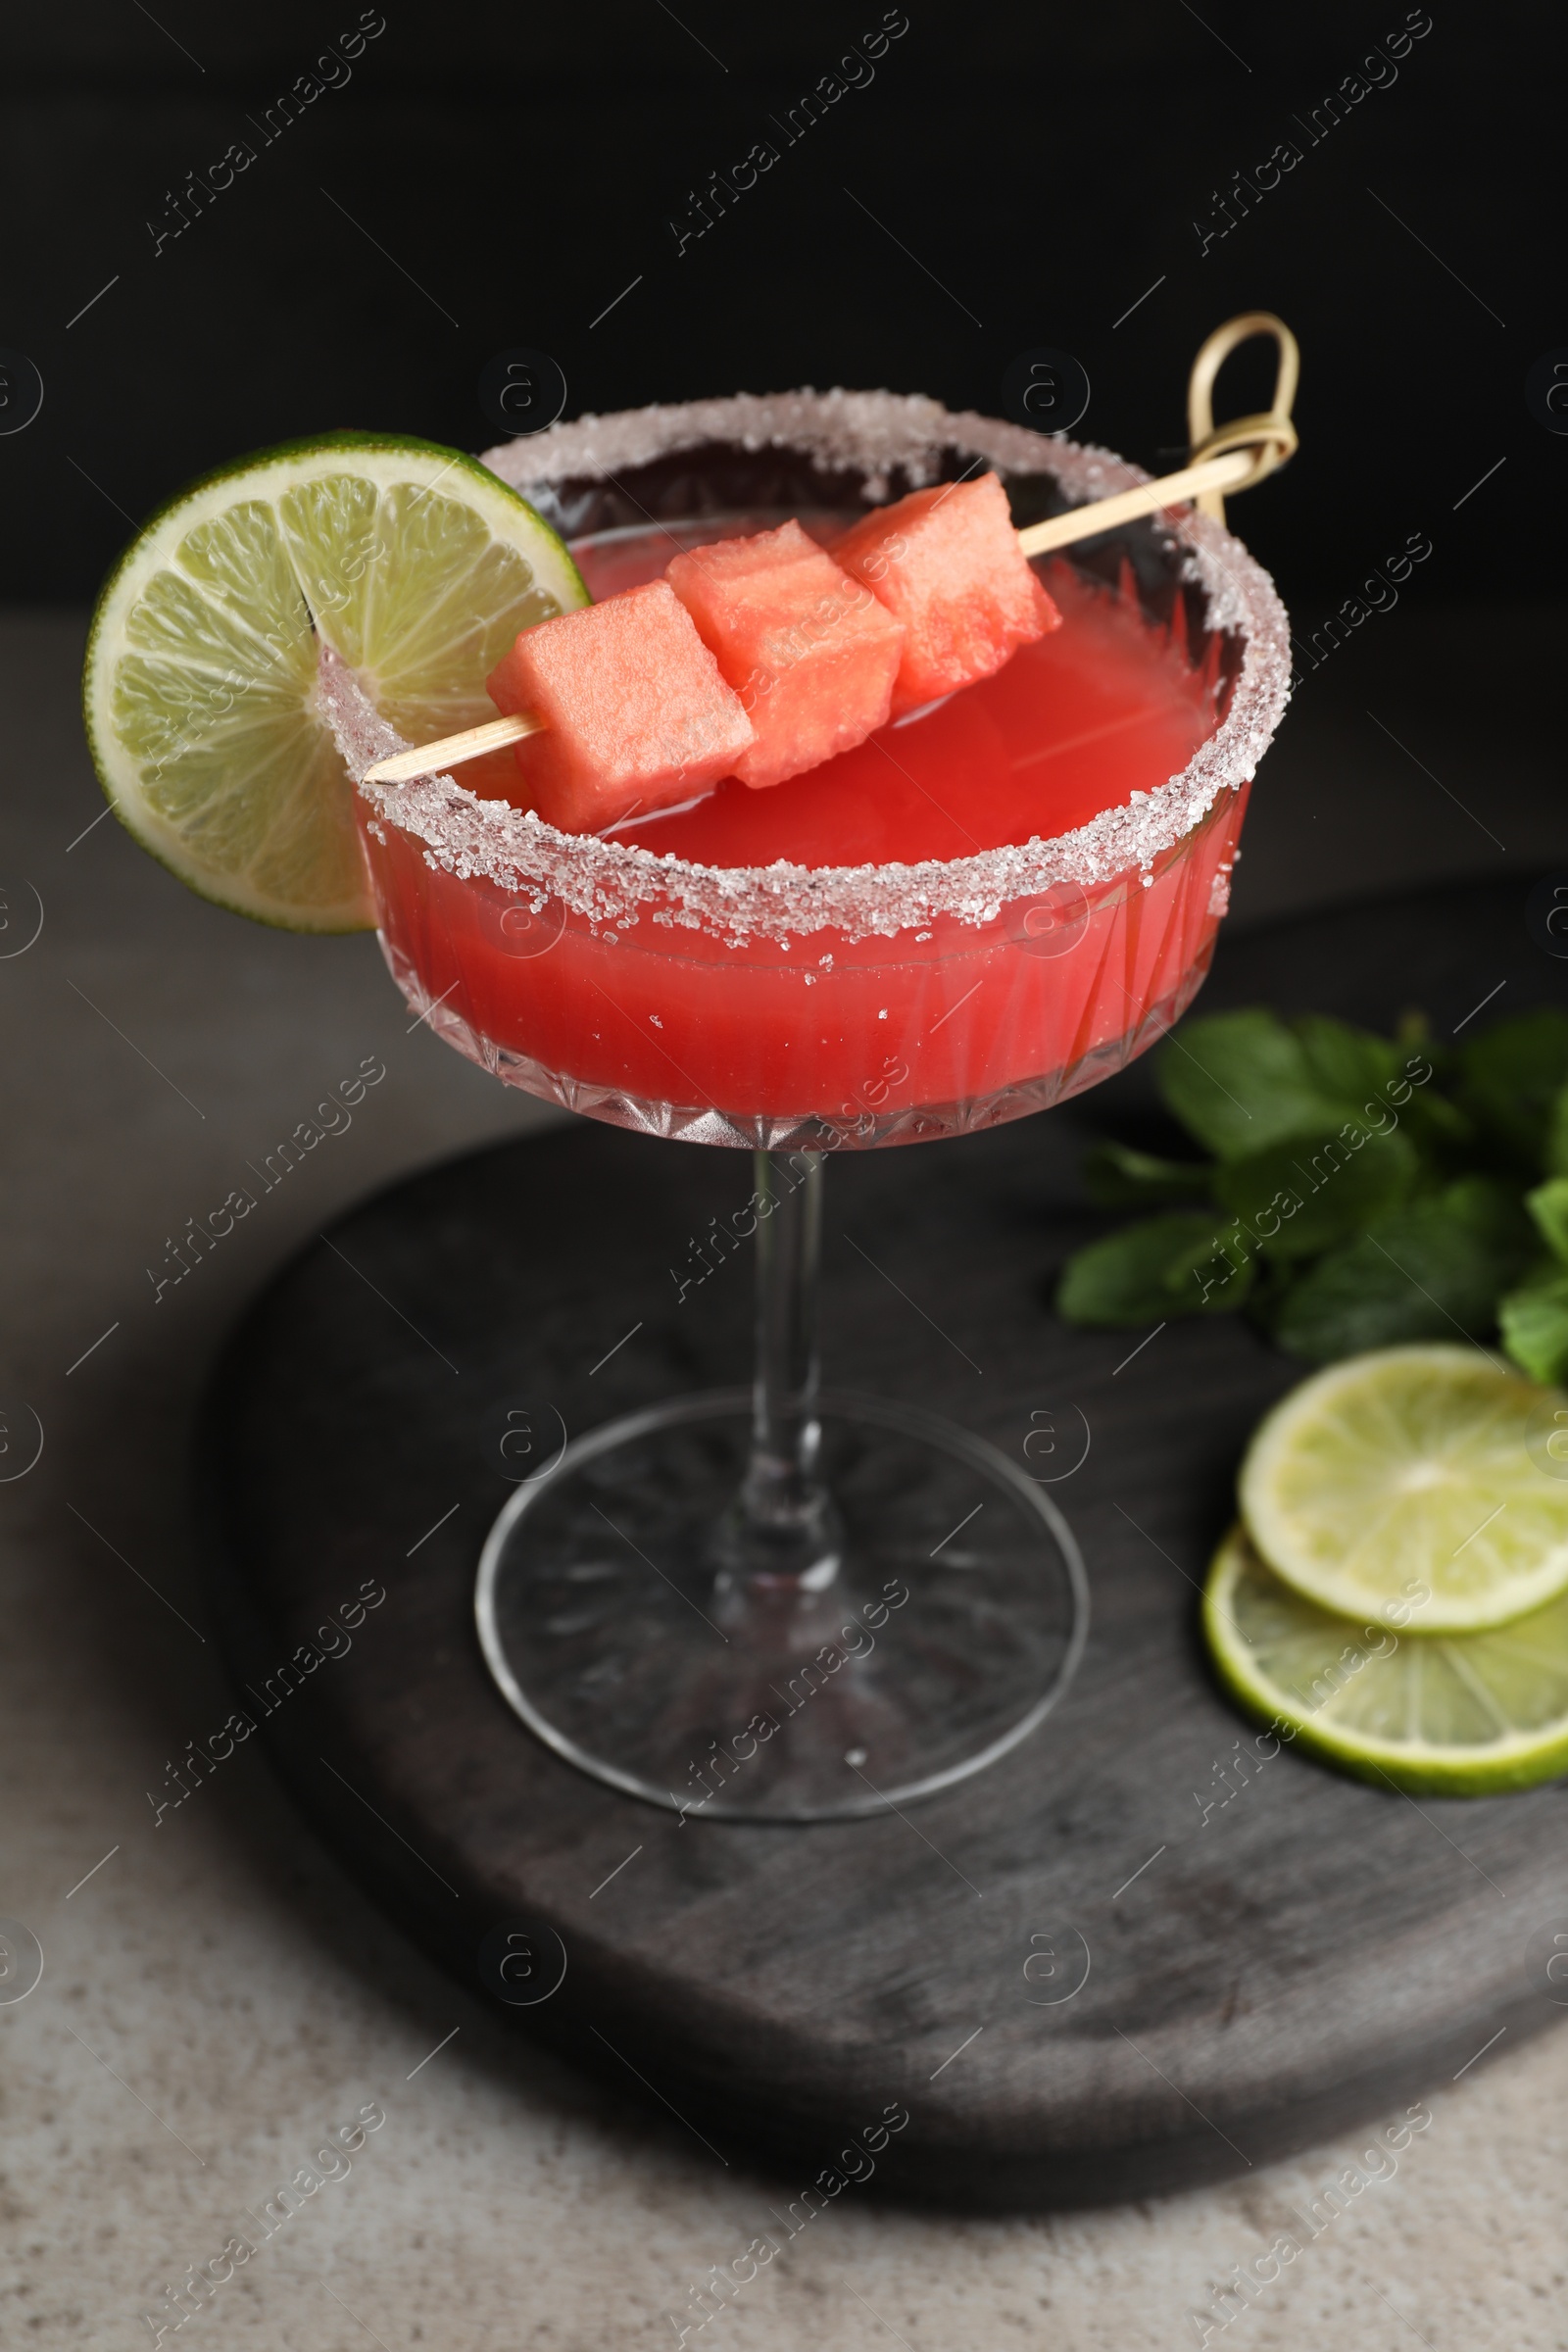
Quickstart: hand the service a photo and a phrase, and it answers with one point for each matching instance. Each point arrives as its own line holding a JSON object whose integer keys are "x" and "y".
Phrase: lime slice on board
{"x": 1472, "y": 1715}
{"x": 1398, "y": 1487}
{"x": 413, "y": 562}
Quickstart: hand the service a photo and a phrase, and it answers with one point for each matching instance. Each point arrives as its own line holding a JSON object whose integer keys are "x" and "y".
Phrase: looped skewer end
{"x": 1225, "y": 459}
{"x": 1270, "y": 432}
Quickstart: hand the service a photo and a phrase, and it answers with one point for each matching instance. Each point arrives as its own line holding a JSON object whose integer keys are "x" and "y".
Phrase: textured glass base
{"x": 953, "y": 1623}
{"x": 799, "y": 1131}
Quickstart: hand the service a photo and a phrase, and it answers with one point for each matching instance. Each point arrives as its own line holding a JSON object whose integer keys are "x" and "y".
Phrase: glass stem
{"x": 789, "y": 1240}
{"x": 784, "y": 1534}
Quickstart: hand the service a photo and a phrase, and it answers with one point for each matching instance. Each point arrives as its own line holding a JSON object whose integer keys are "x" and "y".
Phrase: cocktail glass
{"x": 781, "y": 1603}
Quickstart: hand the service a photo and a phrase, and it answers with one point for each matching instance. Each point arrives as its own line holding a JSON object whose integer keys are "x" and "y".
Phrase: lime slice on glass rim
{"x": 413, "y": 562}
{"x": 1401, "y": 1486}
{"x": 1471, "y": 1715}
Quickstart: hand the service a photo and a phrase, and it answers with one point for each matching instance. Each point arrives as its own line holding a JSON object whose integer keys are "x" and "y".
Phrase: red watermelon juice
{"x": 969, "y": 1014}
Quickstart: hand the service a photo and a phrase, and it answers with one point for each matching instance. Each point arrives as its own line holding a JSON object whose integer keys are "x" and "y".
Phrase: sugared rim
{"x": 876, "y": 433}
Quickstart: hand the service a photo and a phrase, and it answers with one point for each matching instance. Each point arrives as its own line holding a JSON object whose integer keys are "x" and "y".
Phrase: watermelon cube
{"x": 947, "y": 562}
{"x": 811, "y": 654}
{"x": 636, "y": 715}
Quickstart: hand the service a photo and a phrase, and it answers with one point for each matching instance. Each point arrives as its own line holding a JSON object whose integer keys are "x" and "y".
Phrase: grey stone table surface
{"x": 216, "y": 1996}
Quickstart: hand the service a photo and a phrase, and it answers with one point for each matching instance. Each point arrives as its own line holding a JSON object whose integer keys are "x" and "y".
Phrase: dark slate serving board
{"x": 1302, "y": 1957}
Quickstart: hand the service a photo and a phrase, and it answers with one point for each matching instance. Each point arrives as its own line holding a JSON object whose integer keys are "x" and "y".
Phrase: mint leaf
{"x": 1534, "y": 1322}
{"x": 1115, "y": 1176}
{"x": 1244, "y": 1080}
{"x": 1344, "y": 1213}
{"x": 1386, "y": 1083}
{"x": 1434, "y": 1270}
{"x": 1151, "y": 1271}
{"x": 1304, "y": 1194}
{"x": 1431, "y": 1121}
{"x": 1511, "y": 1078}
{"x": 1239, "y": 1081}
{"x": 1554, "y": 1158}
{"x": 1347, "y": 1063}
{"x": 1549, "y": 1206}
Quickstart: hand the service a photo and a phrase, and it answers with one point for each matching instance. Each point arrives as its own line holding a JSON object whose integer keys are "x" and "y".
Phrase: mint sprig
{"x": 1359, "y": 1191}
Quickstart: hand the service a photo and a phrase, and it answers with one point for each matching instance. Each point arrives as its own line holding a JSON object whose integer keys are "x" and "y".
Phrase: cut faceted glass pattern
{"x": 1139, "y": 959}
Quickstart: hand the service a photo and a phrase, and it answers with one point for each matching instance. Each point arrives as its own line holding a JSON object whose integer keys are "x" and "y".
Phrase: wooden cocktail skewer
{"x": 453, "y": 750}
{"x": 1231, "y": 457}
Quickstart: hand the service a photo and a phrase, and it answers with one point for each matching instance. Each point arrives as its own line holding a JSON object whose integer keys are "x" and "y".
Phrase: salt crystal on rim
{"x": 614, "y": 883}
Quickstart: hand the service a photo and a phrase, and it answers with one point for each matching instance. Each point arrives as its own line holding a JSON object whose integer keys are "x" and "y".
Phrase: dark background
{"x": 521, "y": 164}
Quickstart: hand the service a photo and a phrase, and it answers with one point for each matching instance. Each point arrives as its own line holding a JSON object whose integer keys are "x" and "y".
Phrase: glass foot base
{"x": 951, "y": 1624}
